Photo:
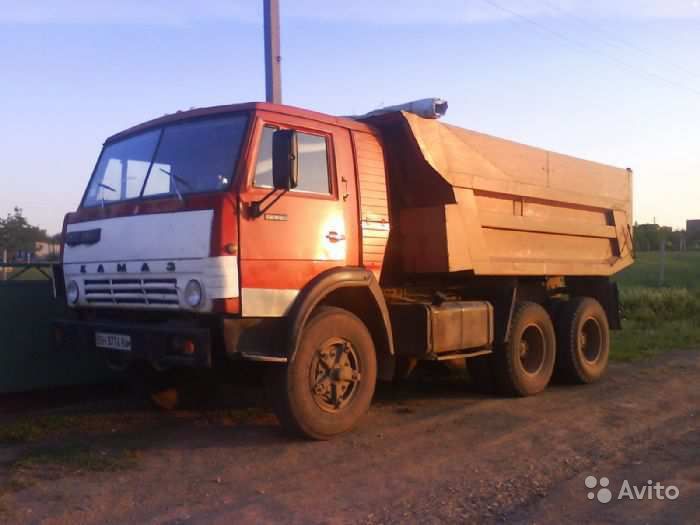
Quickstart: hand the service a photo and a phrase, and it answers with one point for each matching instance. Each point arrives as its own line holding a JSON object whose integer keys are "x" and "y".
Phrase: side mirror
{"x": 284, "y": 159}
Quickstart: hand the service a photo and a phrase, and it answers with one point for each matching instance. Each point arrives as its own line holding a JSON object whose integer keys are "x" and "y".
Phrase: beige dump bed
{"x": 466, "y": 201}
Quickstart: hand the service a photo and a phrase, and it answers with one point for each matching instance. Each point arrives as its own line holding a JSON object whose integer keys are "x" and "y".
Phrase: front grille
{"x": 158, "y": 293}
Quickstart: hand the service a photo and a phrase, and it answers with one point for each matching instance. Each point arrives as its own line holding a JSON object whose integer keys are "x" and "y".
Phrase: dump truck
{"x": 339, "y": 251}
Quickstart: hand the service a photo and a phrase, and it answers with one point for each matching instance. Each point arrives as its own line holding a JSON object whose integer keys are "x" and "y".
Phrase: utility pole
{"x": 273, "y": 78}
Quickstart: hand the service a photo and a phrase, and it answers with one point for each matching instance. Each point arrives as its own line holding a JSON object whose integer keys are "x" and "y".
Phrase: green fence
{"x": 28, "y": 360}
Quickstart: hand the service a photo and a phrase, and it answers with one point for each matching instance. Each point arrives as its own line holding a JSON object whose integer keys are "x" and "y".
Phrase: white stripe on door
{"x": 266, "y": 302}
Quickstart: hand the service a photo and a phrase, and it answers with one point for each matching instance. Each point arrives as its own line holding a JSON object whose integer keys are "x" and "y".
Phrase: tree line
{"x": 17, "y": 235}
{"x": 651, "y": 237}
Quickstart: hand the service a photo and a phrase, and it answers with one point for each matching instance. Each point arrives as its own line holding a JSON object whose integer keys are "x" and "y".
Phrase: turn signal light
{"x": 182, "y": 345}
{"x": 188, "y": 347}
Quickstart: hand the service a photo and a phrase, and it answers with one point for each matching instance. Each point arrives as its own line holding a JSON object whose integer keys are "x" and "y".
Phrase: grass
{"x": 638, "y": 340}
{"x": 35, "y": 428}
{"x": 655, "y": 306}
{"x": 79, "y": 457}
{"x": 47, "y": 450}
{"x": 658, "y": 318}
{"x": 682, "y": 271}
{"x": 53, "y": 445}
{"x": 53, "y": 462}
{"x": 16, "y": 484}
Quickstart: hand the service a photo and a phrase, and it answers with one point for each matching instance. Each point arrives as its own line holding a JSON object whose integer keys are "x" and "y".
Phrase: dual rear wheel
{"x": 583, "y": 341}
{"x": 574, "y": 348}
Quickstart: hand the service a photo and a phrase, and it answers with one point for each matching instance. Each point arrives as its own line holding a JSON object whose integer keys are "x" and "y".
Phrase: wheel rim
{"x": 590, "y": 340}
{"x": 532, "y": 349}
{"x": 335, "y": 374}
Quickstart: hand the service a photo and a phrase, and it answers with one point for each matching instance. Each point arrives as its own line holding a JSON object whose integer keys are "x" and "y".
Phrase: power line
{"x": 616, "y": 40}
{"x": 571, "y": 41}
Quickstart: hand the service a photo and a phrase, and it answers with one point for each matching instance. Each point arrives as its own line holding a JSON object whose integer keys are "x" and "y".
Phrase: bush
{"x": 655, "y": 305}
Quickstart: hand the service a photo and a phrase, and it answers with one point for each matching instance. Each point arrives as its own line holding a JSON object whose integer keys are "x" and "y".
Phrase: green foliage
{"x": 640, "y": 339}
{"x": 682, "y": 271}
{"x": 650, "y": 237}
{"x": 16, "y": 234}
{"x": 659, "y": 318}
{"x": 35, "y": 428}
{"x": 658, "y": 305}
{"x": 79, "y": 457}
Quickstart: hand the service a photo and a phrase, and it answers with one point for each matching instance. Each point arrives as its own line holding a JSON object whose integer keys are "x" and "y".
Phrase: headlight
{"x": 193, "y": 293}
{"x": 72, "y": 292}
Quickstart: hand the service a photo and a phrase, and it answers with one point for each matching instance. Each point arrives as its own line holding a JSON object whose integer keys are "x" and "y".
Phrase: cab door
{"x": 300, "y": 233}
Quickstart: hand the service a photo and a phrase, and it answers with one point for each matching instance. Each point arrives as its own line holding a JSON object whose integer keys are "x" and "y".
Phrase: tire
{"x": 583, "y": 342}
{"x": 523, "y": 366}
{"x": 308, "y": 395}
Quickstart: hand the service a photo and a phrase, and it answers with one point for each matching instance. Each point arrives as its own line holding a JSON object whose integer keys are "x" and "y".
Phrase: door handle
{"x": 335, "y": 236}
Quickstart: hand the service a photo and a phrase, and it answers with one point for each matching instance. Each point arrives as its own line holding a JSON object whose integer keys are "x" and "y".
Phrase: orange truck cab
{"x": 341, "y": 250}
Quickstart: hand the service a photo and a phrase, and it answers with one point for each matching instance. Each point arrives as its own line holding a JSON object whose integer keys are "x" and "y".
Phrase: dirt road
{"x": 431, "y": 452}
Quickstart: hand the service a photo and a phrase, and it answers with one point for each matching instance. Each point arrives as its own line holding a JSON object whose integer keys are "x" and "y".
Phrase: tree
{"x": 650, "y": 237}
{"x": 647, "y": 237}
{"x": 17, "y": 235}
{"x": 677, "y": 239}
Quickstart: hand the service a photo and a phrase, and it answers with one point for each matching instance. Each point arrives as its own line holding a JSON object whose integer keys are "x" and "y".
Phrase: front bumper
{"x": 158, "y": 343}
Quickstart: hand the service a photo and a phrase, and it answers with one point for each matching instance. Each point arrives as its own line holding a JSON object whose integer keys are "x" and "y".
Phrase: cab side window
{"x": 263, "y": 167}
{"x": 313, "y": 162}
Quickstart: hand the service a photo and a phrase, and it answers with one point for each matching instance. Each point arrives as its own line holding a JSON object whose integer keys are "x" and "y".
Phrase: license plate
{"x": 113, "y": 341}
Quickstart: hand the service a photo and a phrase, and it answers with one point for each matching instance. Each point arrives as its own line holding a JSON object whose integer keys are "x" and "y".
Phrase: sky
{"x": 615, "y": 81}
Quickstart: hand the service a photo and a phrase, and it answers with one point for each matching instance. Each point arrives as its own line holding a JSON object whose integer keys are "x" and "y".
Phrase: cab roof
{"x": 233, "y": 108}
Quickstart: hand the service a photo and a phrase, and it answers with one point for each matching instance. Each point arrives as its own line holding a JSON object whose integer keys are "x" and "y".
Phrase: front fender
{"x": 323, "y": 285}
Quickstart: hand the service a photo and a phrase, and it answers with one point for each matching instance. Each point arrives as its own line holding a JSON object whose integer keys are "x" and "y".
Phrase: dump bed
{"x": 465, "y": 201}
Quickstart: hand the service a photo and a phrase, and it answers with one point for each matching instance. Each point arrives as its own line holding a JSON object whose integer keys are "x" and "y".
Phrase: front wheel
{"x": 328, "y": 385}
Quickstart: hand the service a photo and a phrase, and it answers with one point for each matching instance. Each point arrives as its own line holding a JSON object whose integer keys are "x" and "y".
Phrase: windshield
{"x": 181, "y": 158}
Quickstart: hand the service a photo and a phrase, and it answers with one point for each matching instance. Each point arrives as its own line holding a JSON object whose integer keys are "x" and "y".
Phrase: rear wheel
{"x": 328, "y": 385}
{"x": 583, "y": 341}
{"x": 523, "y": 365}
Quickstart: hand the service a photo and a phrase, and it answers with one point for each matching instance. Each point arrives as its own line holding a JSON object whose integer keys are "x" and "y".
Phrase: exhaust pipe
{"x": 425, "y": 107}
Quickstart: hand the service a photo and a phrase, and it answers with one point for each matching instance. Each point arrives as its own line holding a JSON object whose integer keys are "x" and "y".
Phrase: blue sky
{"x": 617, "y": 82}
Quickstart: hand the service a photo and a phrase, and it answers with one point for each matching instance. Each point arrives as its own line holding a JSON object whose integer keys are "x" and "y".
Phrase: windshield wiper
{"x": 106, "y": 187}
{"x": 175, "y": 180}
